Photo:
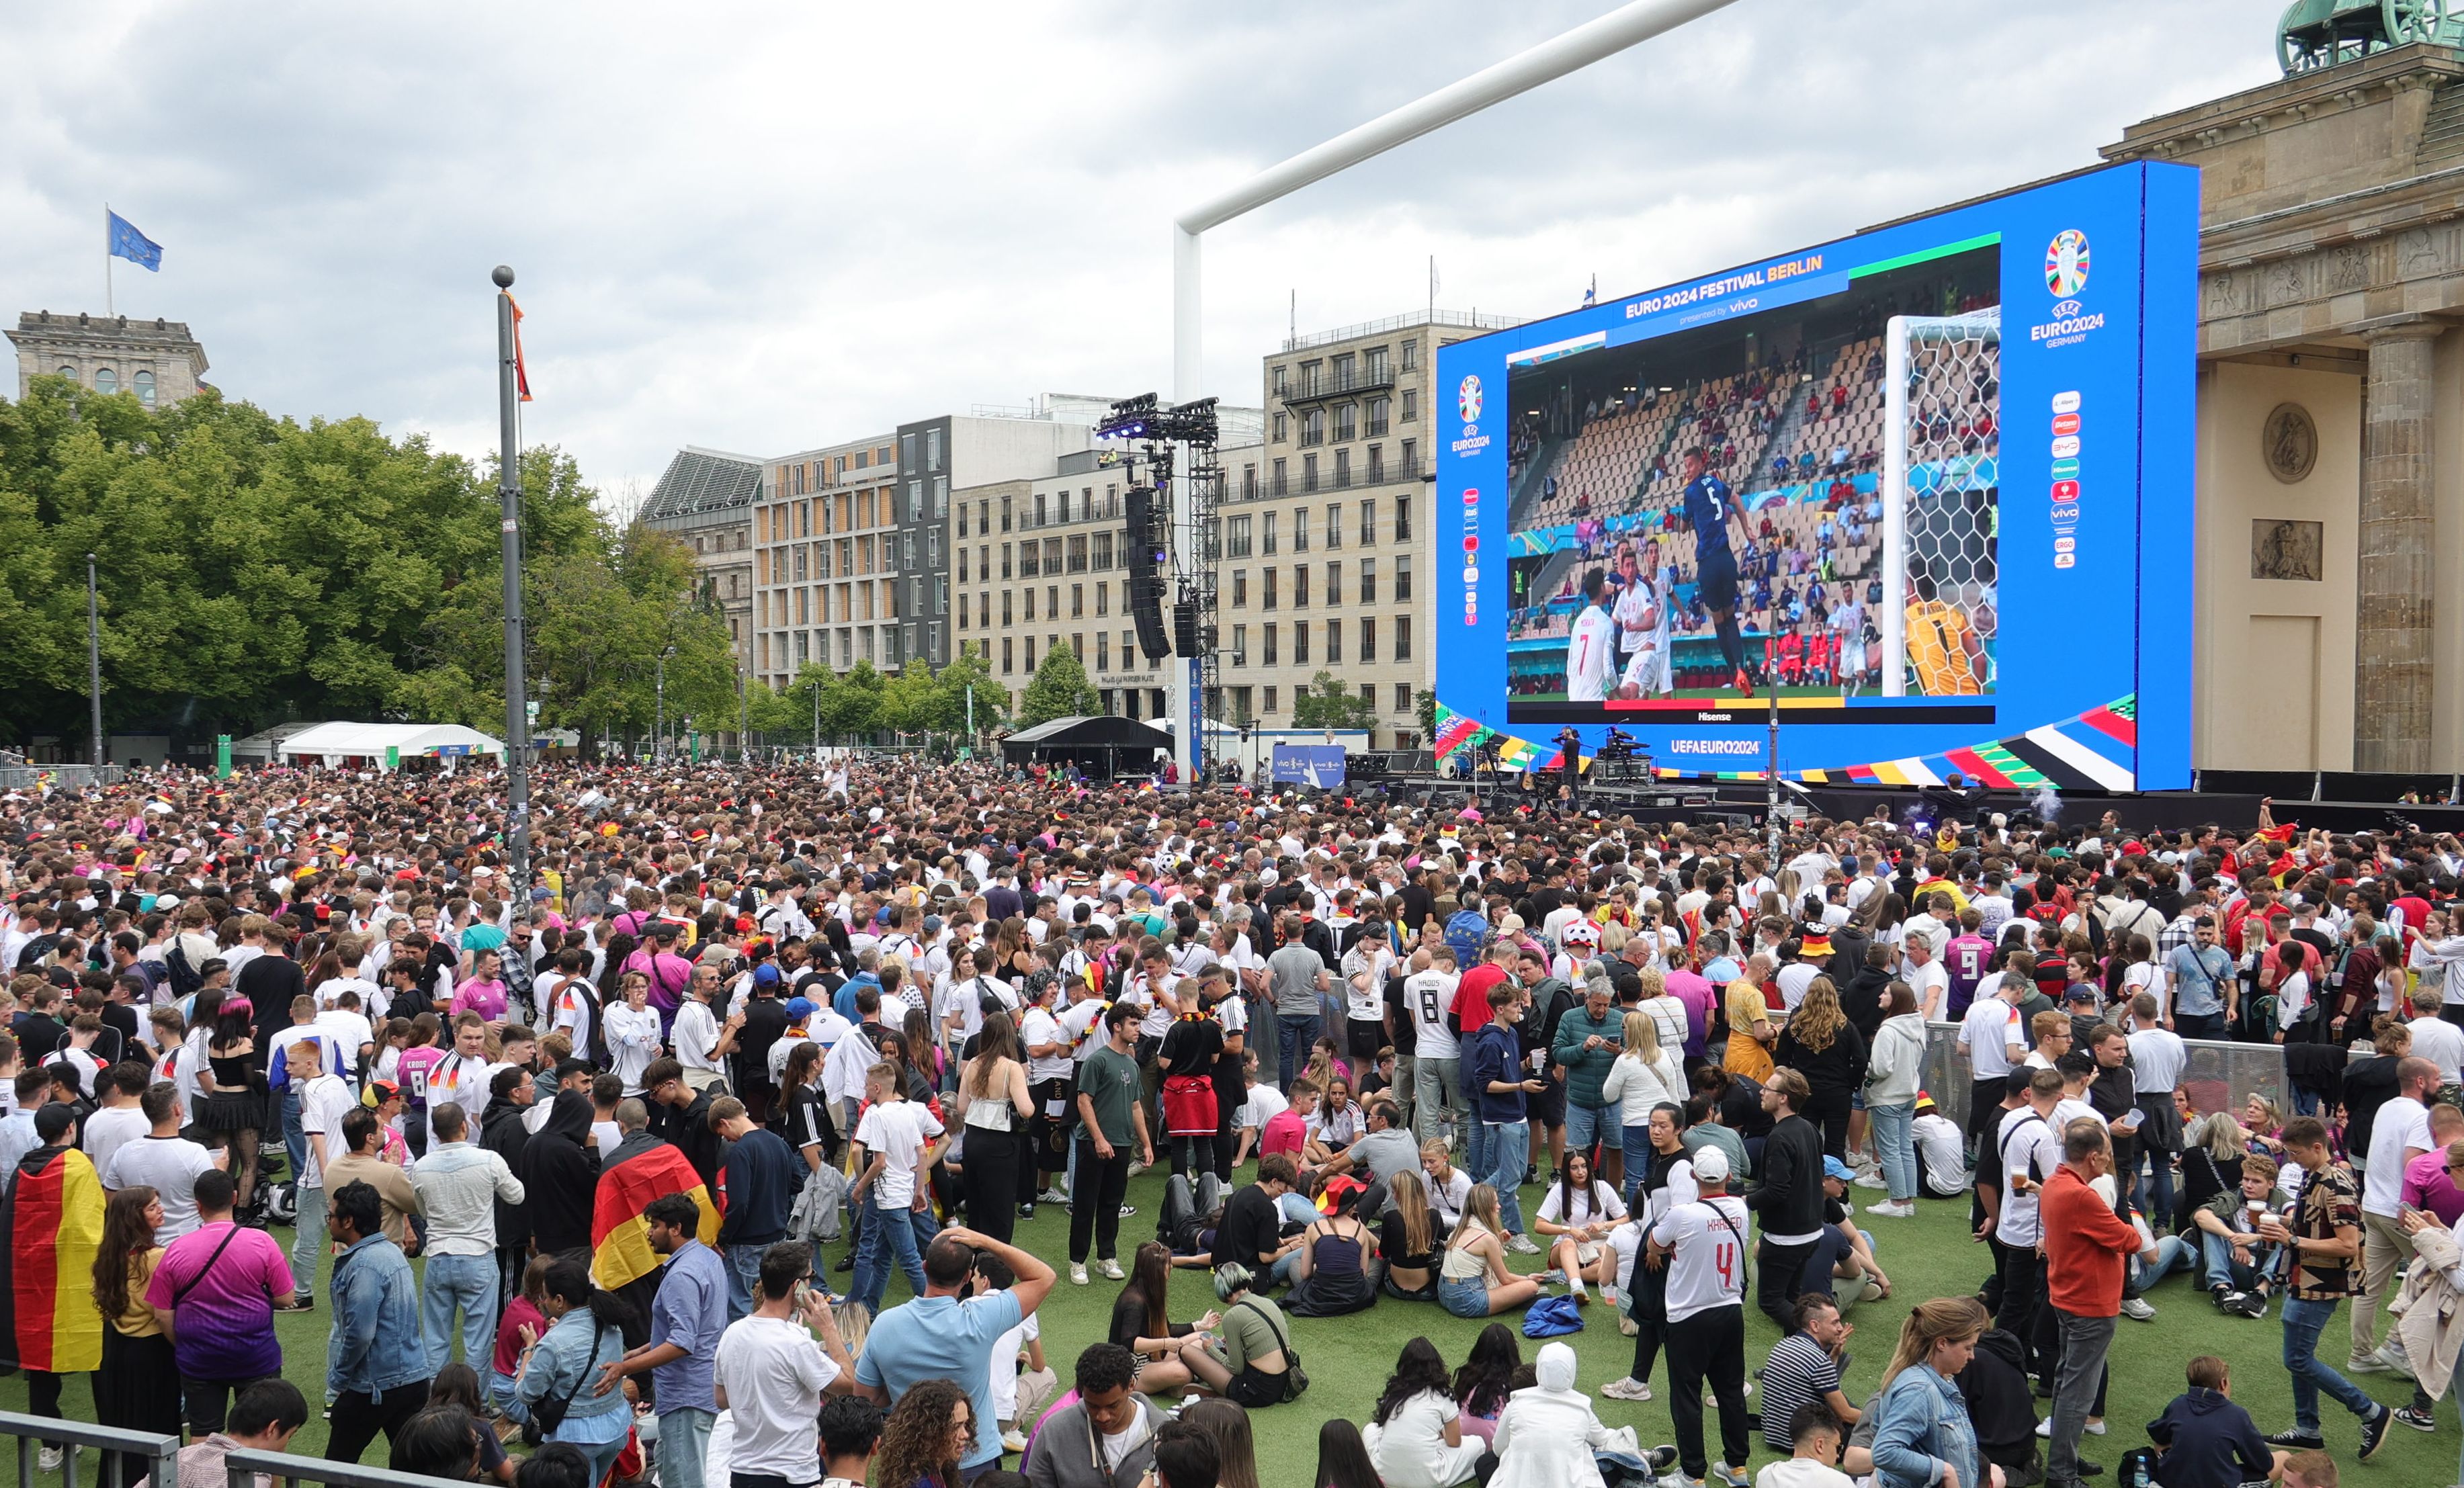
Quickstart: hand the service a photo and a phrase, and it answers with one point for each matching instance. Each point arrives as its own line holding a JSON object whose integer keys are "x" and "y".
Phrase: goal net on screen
{"x": 1941, "y": 468}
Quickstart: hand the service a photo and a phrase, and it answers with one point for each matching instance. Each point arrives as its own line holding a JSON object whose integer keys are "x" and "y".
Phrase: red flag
{"x": 521, "y": 375}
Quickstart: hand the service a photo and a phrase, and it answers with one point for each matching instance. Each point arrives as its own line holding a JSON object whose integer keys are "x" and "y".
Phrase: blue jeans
{"x": 468, "y": 1282}
{"x": 1637, "y": 1160}
{"x": 2218, "y": 1268}
{"x": 1294, "y": 1035}
{"x": 1585, "y": 1125}
{"x": 884, "y": 1229}
{"x": 2155, "y": 1186}
{"x": 1476, "y": 1142}
{"x": 1892, "y": 1126}
{"x": 503, "y": 1395}
{"x": 602, "y": 1455}
{"x": 743, "y": 1284}
{"x": 683, "y": 1441}
{"x": 1507, "y": 1145}
{"x": 2173, "y": 1253}
{"x": 2303, "y": 1321}
{"x": 295, "y": 1137}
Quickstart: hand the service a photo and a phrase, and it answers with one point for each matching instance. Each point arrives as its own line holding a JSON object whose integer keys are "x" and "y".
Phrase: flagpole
{"x": 107, "y": 259}
{"x": 508, "y": 490}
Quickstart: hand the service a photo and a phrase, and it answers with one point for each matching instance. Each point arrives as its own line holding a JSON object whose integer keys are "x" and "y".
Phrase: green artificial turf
{"x": 1348, "y": 1358}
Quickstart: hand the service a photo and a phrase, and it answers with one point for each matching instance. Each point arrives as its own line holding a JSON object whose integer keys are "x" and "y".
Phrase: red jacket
{"x": 2085, "y": 1246}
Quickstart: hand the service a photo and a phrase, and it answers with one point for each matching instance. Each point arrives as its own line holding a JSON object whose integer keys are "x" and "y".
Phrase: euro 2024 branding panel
{"x": 2044, "y": 509}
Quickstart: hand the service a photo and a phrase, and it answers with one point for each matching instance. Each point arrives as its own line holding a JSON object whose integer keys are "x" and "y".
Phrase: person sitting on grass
{"x": 1486, "y": 1378}
{"x": 1414, "y": 1435}
{"x": 1473, "y": 1280}
{"x": 1577, "y": 1215}
{"x": 1142, "y": 1324}
{"x": 1815, "y": 1437}
{"x": 1253, "y": 1365}
{"x": 2208, "y": 1441}
{"x": 2238, "y": 1261}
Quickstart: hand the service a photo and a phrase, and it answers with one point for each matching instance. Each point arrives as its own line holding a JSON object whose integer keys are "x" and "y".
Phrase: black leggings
{"x": 1649, "y": 1307}
{"x": 1830, "y": 1113}
{"x": 991, "y": 1181}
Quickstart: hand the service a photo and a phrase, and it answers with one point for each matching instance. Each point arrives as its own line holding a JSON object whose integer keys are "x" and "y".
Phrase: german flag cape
{"x": 643, "y": 1168}
{"x": 52, "y": 1222}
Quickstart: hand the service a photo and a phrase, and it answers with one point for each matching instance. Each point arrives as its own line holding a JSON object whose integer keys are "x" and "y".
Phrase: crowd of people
{"x": 667, "y": 1112}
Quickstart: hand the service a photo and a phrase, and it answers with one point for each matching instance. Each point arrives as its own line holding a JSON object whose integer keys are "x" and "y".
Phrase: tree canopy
{"x": 1058, "y": 690}
{"x": 1325, "y": 704}
{"x": 252, "y": 569}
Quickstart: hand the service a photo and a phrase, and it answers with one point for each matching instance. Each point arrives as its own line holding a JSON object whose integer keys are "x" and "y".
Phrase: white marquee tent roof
{"x": 373, "y": 739}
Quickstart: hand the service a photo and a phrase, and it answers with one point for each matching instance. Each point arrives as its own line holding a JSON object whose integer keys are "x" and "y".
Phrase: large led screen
{"x": 1928, "y": 486}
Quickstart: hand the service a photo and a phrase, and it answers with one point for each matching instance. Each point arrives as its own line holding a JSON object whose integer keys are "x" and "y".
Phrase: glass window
{"x": 1240, "y": 588}
{"x": 1403, "y": 577}
{"x": 1368, "y": 642}
{"x": 1237, "y": 544}
{"x": 1103, "y": 650}
{"x": 1300, "y": 586}
{"x": 1345, "y": 416}
{"x": 1334, "y": 583}
{"x": 1314, "y": 427}
{"x": 1308, "y": 472}
{"x": 1240, "y": 645}
{"x": 1102, "y": 551}
{"x": 1103, "y": 599}
{"x": 1411, "y": 468}
{"x": 1077, "y": 601}
{"x": 1402, "y": 650}
{"x": 1281, "y": 484}
{"x": 105, "y": 381}
{"x": 1271, "y": 692}
{"x": 1280, "y": 420}
{"x": 907, "y": 451}
{"x": 1368, "y": 524}
{"x": 1411, "y": 405}
{"x": 1333, "y": 643}
{"x": 915, "y": 501}
{"x": 143, "y": 383}
{"x": 1342, "y": 469}
{"x": 940, "y": 496}
{"x": 1006, "y": 501}
{"x": 933, "y": 449}
{"x": 1411, "y": 358}
{"x": 1334, "y": 525}
{"x": 1267, "y": 600}
{"x": 1300, "y": 642}
{"x": 1368, "y": 580}
{"x": 1299, "y": 529}
{"x": 1376, "y": 464}
{"x": 1272, "y": 629}
{"x": 1279, "y": 375}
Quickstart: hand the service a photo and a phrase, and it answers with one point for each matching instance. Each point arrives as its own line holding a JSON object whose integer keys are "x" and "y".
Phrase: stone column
{"x": 2393, "y": 635}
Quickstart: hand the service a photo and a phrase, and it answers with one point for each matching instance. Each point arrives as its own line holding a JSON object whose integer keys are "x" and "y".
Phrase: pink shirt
{"x": 1285, "y": 1132}
{"x": 2426, "y": 1186}
{"x": 485, "y": 998}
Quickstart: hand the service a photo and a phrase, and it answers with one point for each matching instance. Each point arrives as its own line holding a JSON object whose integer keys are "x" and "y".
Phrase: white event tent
{"x": 386, "y": 744}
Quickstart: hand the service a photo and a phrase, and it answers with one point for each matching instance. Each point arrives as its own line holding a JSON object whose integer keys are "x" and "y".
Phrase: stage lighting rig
{"x": 1143, "y": 418}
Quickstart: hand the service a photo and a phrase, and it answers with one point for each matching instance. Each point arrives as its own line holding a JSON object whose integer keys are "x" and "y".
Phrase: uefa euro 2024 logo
{"x": 2066, "y": 263}
{"x": 1467, "y": 399}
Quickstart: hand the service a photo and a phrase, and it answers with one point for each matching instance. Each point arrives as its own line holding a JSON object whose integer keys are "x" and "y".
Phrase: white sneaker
{"x": 1521, "y": 1245}
{"x": 1112, "y": 1269}
{"x": 1627, "y": 1326}
{"x": 1892, "y": 1209}
{"x": 2045, "y": 1428}
{"x": 1053, "y": 1196}
{"x": 49, "y": 1458}
{"x": 1012, "y": 1441}
{"x": 1626, "y": 1387}
{"x": 2138, "y": 1307}
{"x": 1870, "y": 1178}
{"x": 1077, "y": 1273}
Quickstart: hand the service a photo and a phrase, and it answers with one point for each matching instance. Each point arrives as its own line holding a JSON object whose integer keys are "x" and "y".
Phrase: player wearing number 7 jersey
{"x": 1703, "y": 1244}
{"x": 1437, "y": 1082}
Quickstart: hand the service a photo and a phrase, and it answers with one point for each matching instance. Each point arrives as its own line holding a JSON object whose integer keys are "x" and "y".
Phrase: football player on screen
{"x": 1710, "y": 503}
{"x": 1643, "y": 613}
{"x": 1591, "y": 646}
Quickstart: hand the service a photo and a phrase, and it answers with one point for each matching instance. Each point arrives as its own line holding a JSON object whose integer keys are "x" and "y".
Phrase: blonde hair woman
{"x": 1922, "y": 1434}
{"x": 1822, "y": 1045}
{"x": 1750, "y": 1030}
{"x": 1646, "y": 1074}
{"x": 1473, "y": 1280}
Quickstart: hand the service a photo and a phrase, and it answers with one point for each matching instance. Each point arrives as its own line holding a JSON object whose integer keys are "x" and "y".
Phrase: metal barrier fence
{"x": 34, "y": 1432}
{"x": 67, "y": 777}
{"x": 2216, "y": 1076}
{"x": 246, "y": 1467}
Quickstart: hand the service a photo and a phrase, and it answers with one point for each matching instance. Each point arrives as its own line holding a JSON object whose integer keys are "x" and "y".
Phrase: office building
{"x": 704, "y": 500}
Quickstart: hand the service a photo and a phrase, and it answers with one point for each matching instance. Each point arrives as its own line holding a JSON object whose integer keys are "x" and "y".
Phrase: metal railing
{"x": 34, "y": 1432}
{"x": 2218, "y": 1075}
{"x": 246, "y": 1466}
{"x": 70, "y": 778}
{"x": 1467, "y": 320}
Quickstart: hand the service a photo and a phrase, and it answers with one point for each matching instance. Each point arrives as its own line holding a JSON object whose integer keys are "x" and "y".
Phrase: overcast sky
{"x": 768, "y": 227}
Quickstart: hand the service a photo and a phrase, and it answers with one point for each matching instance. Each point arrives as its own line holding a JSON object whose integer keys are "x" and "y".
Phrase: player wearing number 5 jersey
{"x": 1703, "y": 1244}
{"x": 1428, "y": 999}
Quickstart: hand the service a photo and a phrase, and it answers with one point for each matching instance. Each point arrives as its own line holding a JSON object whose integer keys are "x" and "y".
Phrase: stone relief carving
{"x": 2416, "y": 253}
{"x": 2349, "y": 268}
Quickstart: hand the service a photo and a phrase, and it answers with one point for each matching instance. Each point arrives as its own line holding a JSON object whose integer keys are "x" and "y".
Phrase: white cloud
{"x": 764, "y": 228}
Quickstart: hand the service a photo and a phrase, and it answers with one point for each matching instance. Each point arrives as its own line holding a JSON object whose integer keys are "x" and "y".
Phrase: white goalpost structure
{"x": 1936, "y": 370}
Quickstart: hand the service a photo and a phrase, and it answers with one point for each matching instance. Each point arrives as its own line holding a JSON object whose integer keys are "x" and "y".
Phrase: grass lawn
{"x": 1348, "y": 1358}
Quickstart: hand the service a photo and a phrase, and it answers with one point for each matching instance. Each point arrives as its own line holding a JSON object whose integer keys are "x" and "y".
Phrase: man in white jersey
{"x": 1703, "y": 1244}
{"x": 1591, "y": 646}
{"x": 2157, "y": 1056}
{"x": 1437, "y": 1083}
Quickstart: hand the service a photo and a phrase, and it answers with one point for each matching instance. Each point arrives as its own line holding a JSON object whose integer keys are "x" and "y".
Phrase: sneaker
{"x": 1137, "y": 1165}
{"x": 1053, "y": 1196}
{"x": 2374, "y": 1433}
{"x": 2298, "y": 1441}
{"x": 1126, "y": 1210}
{"x": 1742, "y": 683}
{"x": 2393, "y": 1355}
{"x": 2248, "y": 1304}
{"x": 1012, "y": 1441}
{"x": 1582, "y": 1299}
{"x": 1111, "y": 1269}
{"x": 1026, "y": 1211}
{"x": 2138, "y": 1307}
{"x": 1077, "y": 1273}
{"x": 1870, "y": 1291}
{"x": 1531, "y": 1175}
{"x": 2418, "y": 1420}
{"x": 1552, "y": 1277}
{"x": 2220, "y": 1294}
{"x": 1626, "y": 1387}
{"x": 2365, "y": 1364}
{"x": 2088, "y": 1468}
{"x": 1870, "y": 1178}
{"x": 1521, "y": 1245}
{"x": 1893, "y": 1209}
{"x": 1734, "y": 1476}
{"x": 1627, "y": 1327}
{"x": 51, "y": 1459}
{"x": 2045, "y": 1428}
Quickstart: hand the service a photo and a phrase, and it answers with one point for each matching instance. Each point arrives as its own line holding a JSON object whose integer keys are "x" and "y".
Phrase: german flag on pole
{"x": 643, "y": 1168}
{"x": 52, "y": 1222}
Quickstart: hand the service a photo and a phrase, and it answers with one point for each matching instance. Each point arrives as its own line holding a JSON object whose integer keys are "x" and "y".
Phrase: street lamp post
{"x": 93, "y": 658}
{"x": 659, "y": 727}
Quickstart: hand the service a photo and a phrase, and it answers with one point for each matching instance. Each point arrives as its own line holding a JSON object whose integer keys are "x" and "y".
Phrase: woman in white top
{"x": 1414, "y": 1435}
{"x": 632, "y": 1032}
{"x": 993, "y": 1105}
{"x": 1577, "y": 1215}
{"x": 1645, "y": 1074}
{"x": 1473, "y": 1280}
{"x": 1893, "y": 1076}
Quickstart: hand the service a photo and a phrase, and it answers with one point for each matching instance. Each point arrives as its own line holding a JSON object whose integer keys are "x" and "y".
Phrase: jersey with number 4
{"x": 1428, "y": 995}
{"x": 1707, "y": 1268}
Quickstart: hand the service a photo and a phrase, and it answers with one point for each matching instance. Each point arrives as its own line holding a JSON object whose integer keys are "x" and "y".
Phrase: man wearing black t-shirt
{"x": 1787, "y": 1198}
{"x": 1253, "y": 1223}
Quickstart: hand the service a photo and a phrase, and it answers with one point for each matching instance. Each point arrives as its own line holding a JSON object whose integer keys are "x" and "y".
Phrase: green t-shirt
{"x": 1109, "y": 1080}
{"x": 1247, "y": 1336}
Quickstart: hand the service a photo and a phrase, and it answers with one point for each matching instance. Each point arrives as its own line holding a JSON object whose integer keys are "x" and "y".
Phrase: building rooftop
{"x": 700, "y": 480}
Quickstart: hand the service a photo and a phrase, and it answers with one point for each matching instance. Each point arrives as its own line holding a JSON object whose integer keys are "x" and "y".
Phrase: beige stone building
{"x": 156, "y": 359}
{"x": 1326, "y": 551}
{"x": 2330, "y": 435}
{"x": 825, "y": 559}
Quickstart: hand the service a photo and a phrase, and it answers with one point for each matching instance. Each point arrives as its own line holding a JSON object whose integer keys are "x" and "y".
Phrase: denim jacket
{"x": 375, "y": 1343}
{"x": 564, "y": 1355}
{"x": 1923, "y": 1424}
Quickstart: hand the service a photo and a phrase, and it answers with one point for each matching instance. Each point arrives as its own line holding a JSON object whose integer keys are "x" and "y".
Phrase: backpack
{"x": 1464, "y": 934}
{"x": 184, "y": 979}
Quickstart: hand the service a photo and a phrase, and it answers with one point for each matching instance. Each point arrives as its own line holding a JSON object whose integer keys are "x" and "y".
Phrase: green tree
{"x": 970, "y": 670}
{"x": 1424, "y": 711}
{"x": 1059, "y": 689}
{"x": 1325, "y": 704}
{"x": 808, "y": 698}
{"x": 852, "y": 709}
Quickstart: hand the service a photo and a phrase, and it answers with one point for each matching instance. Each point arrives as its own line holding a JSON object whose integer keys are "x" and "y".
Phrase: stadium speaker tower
{"x": 1146, "y": 559}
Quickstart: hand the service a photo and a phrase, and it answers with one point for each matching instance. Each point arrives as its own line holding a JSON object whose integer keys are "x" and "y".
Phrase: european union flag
{"x": 127, "y": 242}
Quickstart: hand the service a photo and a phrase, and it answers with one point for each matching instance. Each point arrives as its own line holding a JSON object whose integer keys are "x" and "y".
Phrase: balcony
{"x": 1393, "y": 472}
{"x": 1300, "y": 392}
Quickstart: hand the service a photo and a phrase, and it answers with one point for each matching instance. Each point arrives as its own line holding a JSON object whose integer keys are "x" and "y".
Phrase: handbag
{"x": 1296, "y": 1380}
{"x": 549, "y": 1413}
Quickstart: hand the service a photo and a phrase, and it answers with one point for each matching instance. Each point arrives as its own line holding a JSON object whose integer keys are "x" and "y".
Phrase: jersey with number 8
{"x": 1426, "y": 997}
